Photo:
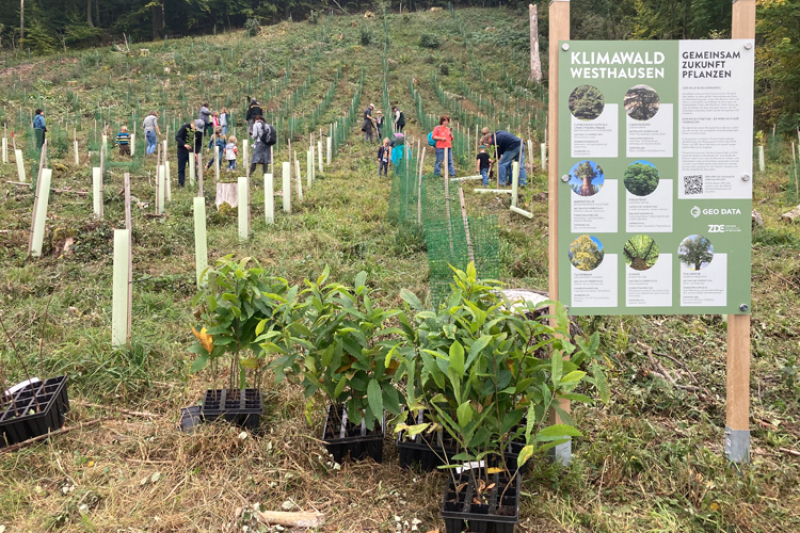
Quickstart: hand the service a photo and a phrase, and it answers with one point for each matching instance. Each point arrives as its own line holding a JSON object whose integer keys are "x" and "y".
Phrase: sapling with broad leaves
{"x": 238, "y": 304}
{"x": 342, "y": 351}
{"x": 479, "y": 369}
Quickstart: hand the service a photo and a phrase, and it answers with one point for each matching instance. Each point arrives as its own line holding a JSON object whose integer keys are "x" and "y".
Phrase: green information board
{"x": 655, "y": 174}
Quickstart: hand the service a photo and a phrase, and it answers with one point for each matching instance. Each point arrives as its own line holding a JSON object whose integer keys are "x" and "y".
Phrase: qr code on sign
{"x": 693, "y": 184}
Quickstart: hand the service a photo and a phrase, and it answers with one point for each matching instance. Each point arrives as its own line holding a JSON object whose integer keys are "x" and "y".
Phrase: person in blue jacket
{"x": 39, "y": 128}
{"x": 510, "y": 148}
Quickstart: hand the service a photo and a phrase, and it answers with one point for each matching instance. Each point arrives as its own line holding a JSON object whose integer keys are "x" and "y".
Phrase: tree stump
{"x": 227, "y": 193}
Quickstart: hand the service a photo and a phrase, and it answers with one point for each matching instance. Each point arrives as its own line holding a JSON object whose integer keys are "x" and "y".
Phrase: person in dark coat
{"x": 252, "y": 112}
{"x": 183, "y": 140}
{"x": 510, "y": 148}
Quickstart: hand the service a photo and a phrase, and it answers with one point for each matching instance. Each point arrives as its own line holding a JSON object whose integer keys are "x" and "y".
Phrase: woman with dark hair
{"x": 444, "y": 139}
{"x": 261, "y": 152}
{"x": 39, "y": 128}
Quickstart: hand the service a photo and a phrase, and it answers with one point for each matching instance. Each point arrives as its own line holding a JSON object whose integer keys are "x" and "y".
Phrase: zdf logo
{"x": 716, "y": 228}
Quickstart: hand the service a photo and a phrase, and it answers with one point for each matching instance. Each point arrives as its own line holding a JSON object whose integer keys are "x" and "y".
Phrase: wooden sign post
{"x": 559, "y": 30}
{"x": 200, "y": 240}
{"x": 737, "y": 394}
{"x": 119, "y": 294}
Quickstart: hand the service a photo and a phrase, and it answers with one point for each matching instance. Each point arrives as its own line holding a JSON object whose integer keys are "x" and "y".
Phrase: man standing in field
{"x": 184, "y": 140}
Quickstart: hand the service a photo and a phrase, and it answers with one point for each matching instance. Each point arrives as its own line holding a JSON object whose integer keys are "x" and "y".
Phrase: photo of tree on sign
{"x": 586, "y": 178}
{"x": 696, "y": 252}
{"x": 641, "y": 102}
{"x": 586, "y": 102}
{"x": 586, "y": 253}
{"x": 641, "y": 252}
{"x": 641, "y": 178}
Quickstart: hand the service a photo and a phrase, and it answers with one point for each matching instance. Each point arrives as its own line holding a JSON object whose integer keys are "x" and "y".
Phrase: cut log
{"x": 291, "y": 519}
{"x": 227, "y": 193}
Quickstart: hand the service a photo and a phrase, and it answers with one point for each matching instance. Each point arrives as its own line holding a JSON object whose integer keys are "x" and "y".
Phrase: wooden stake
{"x": 559, "y": 30}
{"x": 119, "y": 309}
{"x": 40, "y": 214}
{"x": 269, "y": 199}
{"x": 129, "y": 227}
{"x": 737, "y": 394}
{"x": 287, "y": 187}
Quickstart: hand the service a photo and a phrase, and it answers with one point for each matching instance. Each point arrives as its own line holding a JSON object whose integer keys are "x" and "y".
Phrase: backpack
{"x": 268, "y": 135}
{"x": 431, "y": 142}
{"x": 402, "y": 120}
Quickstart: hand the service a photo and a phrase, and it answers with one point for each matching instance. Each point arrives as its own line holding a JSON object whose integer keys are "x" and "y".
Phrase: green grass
{"x": 651, "y": 460}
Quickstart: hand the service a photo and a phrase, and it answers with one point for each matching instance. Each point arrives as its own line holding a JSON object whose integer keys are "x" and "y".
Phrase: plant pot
{"x": 241, "y": 407}
{"x": 34, "y": 410}
{"x": 460, "y": 510}
{"x": 429, "y": 451}
{"x": 344, "y": 439}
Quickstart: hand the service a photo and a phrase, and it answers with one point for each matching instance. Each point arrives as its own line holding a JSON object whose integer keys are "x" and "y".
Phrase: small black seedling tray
{"x": 343, "y": 439}
{"x": 421, "y": 450}
{"x": 34, "y": 410}
{"x": 460, "y": 511}
{"x": 241, "y": 407}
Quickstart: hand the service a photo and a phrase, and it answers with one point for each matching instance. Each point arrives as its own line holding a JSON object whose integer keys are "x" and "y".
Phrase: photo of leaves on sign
{"x": 641, "y": 252}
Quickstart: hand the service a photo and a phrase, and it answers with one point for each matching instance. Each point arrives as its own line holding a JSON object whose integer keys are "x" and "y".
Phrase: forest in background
{"x": 59, "y": 25}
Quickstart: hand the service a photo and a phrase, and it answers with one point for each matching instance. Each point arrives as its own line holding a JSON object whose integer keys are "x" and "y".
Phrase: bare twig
{"x": 140, "y": 414}
{"x": 15, "y": 447}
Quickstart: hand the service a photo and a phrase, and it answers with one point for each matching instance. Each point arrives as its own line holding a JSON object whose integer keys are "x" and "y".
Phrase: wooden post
{"x": 119, "y": 295}
{"x": 40, "y": 213}
{"x": 559, "y": 30}
{"x": 244, "y": 209}
{"x": 536, "y": 61}
{"x": 129, "y": 227}
{"x": 97, "y": 193}
{"x": 287, "y": 187}
{"x": 20, "y": 166}
{"x": 269, "y": 199}
{"x": 737, "y": 394}
{"x": 200, "y": 240}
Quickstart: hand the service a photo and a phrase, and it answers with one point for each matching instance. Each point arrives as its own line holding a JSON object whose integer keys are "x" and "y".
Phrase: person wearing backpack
{"x": 399, "y": 119}
{"x": 264, "y": 136}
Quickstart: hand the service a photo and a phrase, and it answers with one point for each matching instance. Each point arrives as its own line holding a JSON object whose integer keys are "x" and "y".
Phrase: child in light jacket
{"x": 384, "y": 153}
{"x": 231, "y": 153}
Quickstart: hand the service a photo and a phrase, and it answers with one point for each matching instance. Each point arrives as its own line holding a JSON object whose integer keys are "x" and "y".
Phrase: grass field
{"x": 651, "y": 460}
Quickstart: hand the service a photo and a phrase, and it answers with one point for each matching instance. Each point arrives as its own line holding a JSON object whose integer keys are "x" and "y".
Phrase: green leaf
{"x": 361, "y": 279}
{"x": 411, "y": 299}
{"x": 601, "y": 383}
{"x": 391, "y": 399}
{"x": 556, "y": 365}
{"x": 472, "y": 274}
{"x": 464, "y": 413}
{"x": 457, "y": 357}
{"x": 559, "y": 430}
{"x": 251, "y": 363}
{"x": 340, "y": 387}
{"x": 416, "y": 429}
{"x": 575, "y": 397}
{"x": 375, "y": 398}
{"x": 199, "y": 363}
{"x": 575, "y": 375}
{"x": 212, "y": 303}
{"x": 476, "y": 349}
{"x": 524, "y": 454}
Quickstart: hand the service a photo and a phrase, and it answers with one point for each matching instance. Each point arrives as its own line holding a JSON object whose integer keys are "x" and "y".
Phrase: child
{"x": 223, "y": 120}
{"x": 383, "y": 158}
{"x": 123, "y": 140}
{"x": 484, "y": 164}
{"x": 231, "y": 152}
{"x": 217, "y": 140}
{"x": 215, "y": 120}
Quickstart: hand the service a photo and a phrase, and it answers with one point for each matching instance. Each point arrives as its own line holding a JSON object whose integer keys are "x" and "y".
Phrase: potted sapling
{"x": 231, "y": 309}
{"x": 31, "y": 408}
{"x": 344, "y": 362}
{"x": 474, "y": 370}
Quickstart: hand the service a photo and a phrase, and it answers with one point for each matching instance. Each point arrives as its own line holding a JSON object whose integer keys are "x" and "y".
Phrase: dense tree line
{"x": 52, "y": 25}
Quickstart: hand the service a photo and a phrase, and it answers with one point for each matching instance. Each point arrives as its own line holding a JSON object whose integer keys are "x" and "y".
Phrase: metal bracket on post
{"x": 737, "y": 445}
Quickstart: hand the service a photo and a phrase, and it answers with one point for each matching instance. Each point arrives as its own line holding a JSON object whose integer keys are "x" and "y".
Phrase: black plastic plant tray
{"x": 461, "y": 513}
{"x": 420, "y": 450}
{"x": 241, "y": 407}
{"x": 34, "y": 410}
{"x": 343, "y": 439}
